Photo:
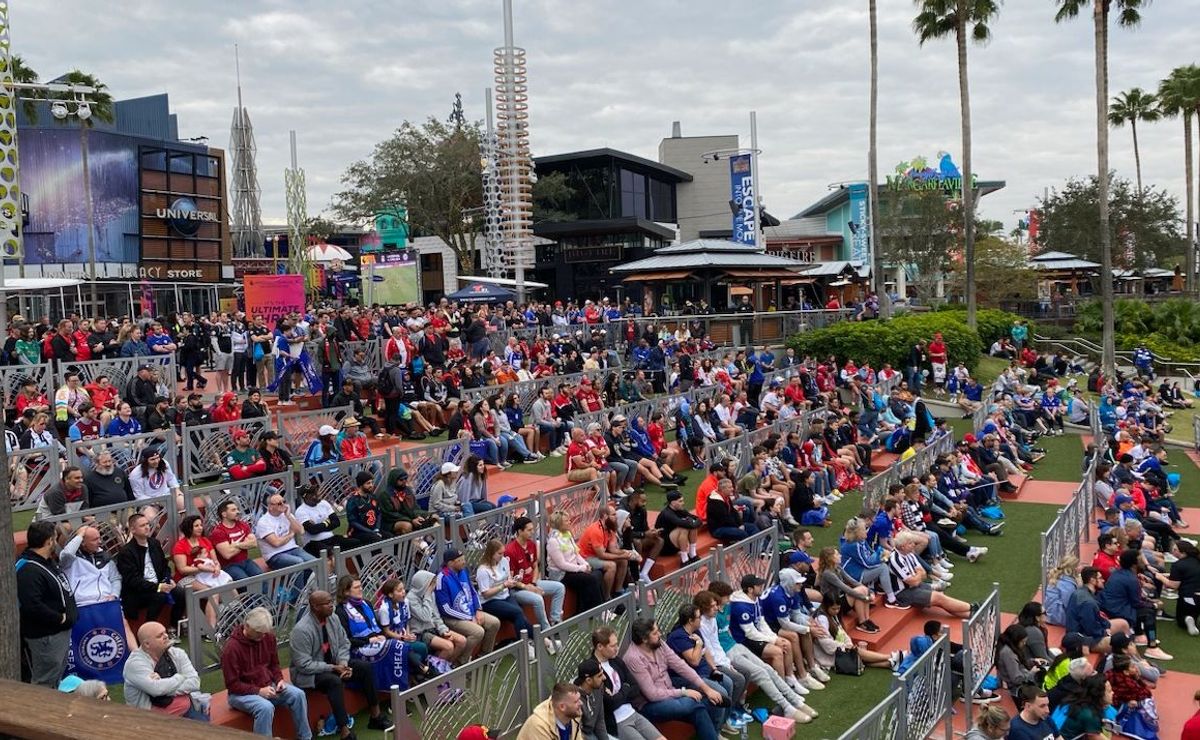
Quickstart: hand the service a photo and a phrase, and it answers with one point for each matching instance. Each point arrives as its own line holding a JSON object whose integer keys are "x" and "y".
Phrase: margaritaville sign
{"x": 918, "y": 174}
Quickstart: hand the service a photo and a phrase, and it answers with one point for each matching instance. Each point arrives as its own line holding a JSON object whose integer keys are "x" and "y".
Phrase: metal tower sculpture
{"x": 245, "y": 211}
{"x": 515, "y": 164}
{"x": 297, "y": 215}
{"x": 493, "y": 261}
{"x": 10, "y": 193}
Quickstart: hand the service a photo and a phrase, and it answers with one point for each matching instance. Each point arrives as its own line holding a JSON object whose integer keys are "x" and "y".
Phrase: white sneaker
{"x": 819, "y": 673}
{"x": 796, "y": 686}
{"x": 939, "y": 585}
{"x": 1192, "y": 629}
{"x": 551, "y": 647}
{"x": 944, "y": 575}
{"x": 555, "y": 453}
{"x": 812, "y": 683}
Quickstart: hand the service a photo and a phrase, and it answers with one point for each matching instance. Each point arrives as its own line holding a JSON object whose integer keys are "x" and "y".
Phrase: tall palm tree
{"x": 878, "y": 278}
{"x": 1131, "y": 106}
{"x": 938, "y": 19}
{"x": 101, "y": 110}
{"x": 23, "y": 73}
{"x": 1179, "y": 95}
{"x": 1128, "y": 13}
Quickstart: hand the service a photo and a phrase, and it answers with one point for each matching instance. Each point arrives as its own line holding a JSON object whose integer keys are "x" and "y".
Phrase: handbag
{"x": 847, "y": 662}
{"x": 1140, "y": 722}
{"x": 258, "y": 353}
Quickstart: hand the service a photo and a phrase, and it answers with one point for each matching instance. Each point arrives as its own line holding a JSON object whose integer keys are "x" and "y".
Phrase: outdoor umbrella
{"x": 482, "y": 293}
{"x": 328, "y": 253}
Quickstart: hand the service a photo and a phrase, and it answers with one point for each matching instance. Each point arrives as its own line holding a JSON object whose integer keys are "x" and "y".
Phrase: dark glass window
{"x": 431, "y": 262}
{"x": 181, "y": 163}
{"x": 155, "y": 159}
{"x": 633, "y": 194}
{"x": 662, "y": 201}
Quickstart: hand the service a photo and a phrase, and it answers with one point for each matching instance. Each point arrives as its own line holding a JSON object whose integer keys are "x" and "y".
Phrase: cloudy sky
{"x": 618, "y": 72}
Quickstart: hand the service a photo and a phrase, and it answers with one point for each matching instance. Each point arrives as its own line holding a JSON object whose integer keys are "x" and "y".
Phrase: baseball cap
{"x": 674, "y": 495}
{"x": 1119, "y": 641}
{"x": 588, "y": 668}
{"x": 750, "y": 581}
{"x": 969, "y": 438}
{"x": 145, "y": 366}
{"x": 1072, "y": 641}
{"x": 326, "y": 430}
{"x": 69, "y": 683}
{"x": 450, "y": 554}
{"x": 799, "y": 556}
{"x": 1122, "y": 499}
{"x": 449, "y": 467}
{"x": 401, "y": 473}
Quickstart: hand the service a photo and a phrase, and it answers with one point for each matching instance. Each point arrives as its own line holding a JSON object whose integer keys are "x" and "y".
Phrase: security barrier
{"x": 397, "y": 557}
{"x": 583, "y": 502}
{"x": 372, "y": 348}
{"x": 928, "y": 698}
{"x": 121, "y": 370}
{"x": 13, "y": 377}
{"x": 663, "y": 597}
{"x": 250, "y": 494}
{"x": 336, "y": 481}
{"x": 206, "y": 445}
{"x": 31, "y": 473}
{"x": 876, "y": 487}
{"x": 735, "y": 449}
{"x": 886, "y": 721}
{"x": 113, "y": 522}
{"x": 298, "y": 429}
{"x": 1071, "y": 526}
{"x": 126, "y": 450}
{"x": 979, "y": 637}
{"x": 575, "y": 636}
{"x": 423, "y": 464}
{"x": 491, "y": 691}
{"x": 755, "y": 554}
{"x": 470, "y": 535}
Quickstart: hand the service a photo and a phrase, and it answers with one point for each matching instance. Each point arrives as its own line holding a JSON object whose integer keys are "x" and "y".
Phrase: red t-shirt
{"x": 184, "y": 548}
{"x": 1191, "y": 728}
{"x": 658, "y": 439}
{"x": 594, "y": 540}
{"x": 233, "y": 535}
{"x": 794, "y": 393}
{"x": 589, "y": 399}
{"x": 522, "y": 561}
{"x": 1106, "y": 563}
{"x": 707, "y": 486}
{"x": 937, "y": 352}
{"x": 101, "y": 397}
{"x": 576, "y": 449}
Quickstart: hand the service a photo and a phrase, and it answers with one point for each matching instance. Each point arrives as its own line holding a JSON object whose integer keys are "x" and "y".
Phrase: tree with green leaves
{"x": 918, "y": 232}
{"x": 1132, "y": 106}
{"x": 961, "y": 19}
{"x": 321, "y": 228}
{"x": 1002, "y": 274}
{"x": 1179, "y": 95}
{"x": 1146, "y": 227}
{"x": 24, "y": 74}
{"x": 434, "y": 169}
{"x": 1128, "y": 13}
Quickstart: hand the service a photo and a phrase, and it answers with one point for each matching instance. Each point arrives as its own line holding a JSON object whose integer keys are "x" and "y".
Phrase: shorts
{"x": 756, "y": 647}
{"x": 596, "y": 563}
{"x": 222, "y": 361}
{"x": 919, "y": 596}
{"x": 580, "y": 475}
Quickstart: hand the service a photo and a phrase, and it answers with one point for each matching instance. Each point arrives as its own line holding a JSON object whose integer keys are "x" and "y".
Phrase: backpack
{"x": 386, "y": 384}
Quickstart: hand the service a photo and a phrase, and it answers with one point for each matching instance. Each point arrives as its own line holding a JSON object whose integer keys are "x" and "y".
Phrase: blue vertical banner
{"x": 98, "y": 646}
{"x": 861, "y": 233}
{"x": 741, "y": 184}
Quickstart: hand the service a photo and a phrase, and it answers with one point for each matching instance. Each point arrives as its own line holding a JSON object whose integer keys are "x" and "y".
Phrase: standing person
{"x": 458, "y": 602}
{"x": 146, "y": 583}
{"x": 47, "y": 608}
{"x": 523, "y": 562}
{"x": 254, "y": 678}
{"x": 161, "y": 677}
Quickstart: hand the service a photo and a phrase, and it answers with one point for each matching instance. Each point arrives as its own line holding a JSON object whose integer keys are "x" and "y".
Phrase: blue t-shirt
{"x": 119, "y": 428}
{"x": 741, "y": 614}
{"x": 680, "y": 641}
{"x": 1019, "y": 729}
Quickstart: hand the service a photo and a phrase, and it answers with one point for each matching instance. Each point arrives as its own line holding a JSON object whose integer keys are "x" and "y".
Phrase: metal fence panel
{"x": 928, "y": 695}
{"x": 470, "y": 535}
{"x": 575, "y": 634}
{"x": 250, "y": 494}
{"x": 423, "y": 464}
{"x": 398, "y": 557}
{"x": 113, "y": 522}
{"x": 121, "y": 370}
{"x": 31, "y": 473}
{"x": 583, "y": 503}
{"x": 12, "y": 377}
{"x": 884, "y": 722}
{"x": 492, "y": 691}
{"x": 755, "y": 554}
{"x": 284, "y": 592}
{"x": 126, "y": 450}
{"x": 662, "y": 598}
{"x": 298, "y": 429}
{"x": 335, "y": 481}
{"x": 736, "y": 449}
{"x": 373, "y": 348}
{"x": 979, "y": 636}
{"x": 206, "y": 445}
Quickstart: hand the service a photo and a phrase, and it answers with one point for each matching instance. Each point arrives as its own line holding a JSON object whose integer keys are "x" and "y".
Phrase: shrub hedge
{"x": 991, "y": 323}
{"x": 890, "y": 341}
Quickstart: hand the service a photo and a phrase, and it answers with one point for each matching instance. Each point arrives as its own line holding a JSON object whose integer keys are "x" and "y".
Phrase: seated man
{"x": 277, "y": 533}
{"x": 321, "y": 660}
{"x": 254, "y": 679}
{"x": 459, "y": 605}
{"x": 649, "y": 661}
{"x": 160, "y": 677}
{"x": 908, "y": 579}
{"x": 141, "y": 558}
{"x": 557, "y": 717}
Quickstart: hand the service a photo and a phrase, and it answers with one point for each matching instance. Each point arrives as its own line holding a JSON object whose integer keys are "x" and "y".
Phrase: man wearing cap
{"x": 351, "y": 442}
{"x": 142, "y": 390}
{"x": 589, "y": 679}
{"x": 363, "y": 522}
{"x": 243, "y": 461}
{"x": 458, "y": 602}
{"x": 197, "y": 413}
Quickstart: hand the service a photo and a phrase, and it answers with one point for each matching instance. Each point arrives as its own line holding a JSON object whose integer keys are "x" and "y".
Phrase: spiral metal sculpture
{"x": 514, "y": 163}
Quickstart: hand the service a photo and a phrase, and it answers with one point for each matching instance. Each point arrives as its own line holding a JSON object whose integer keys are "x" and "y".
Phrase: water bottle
{"x": 744, "y": 733}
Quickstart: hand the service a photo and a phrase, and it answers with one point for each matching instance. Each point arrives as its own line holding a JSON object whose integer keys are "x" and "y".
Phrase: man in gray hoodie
{"x": 160, "y": 677}
{"x": 425, "y": 620}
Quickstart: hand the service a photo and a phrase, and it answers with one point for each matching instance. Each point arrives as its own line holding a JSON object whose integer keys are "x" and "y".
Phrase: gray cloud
{"x": 617, "y": 72}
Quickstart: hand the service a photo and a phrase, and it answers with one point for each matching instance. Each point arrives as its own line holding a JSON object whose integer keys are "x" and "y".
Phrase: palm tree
{"x": 1179, "y": 95}
{"x": 938, "y": 19}
{"x": 1128, "y": 14}
{"x": 1131, "y": 106}
{"x": 24, "y": 74}
{"x": 101, "y": 110}
{"x": 878, "y": 278}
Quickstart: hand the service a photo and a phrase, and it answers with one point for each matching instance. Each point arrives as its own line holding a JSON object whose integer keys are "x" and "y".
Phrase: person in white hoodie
{"x": 90, "y": 570}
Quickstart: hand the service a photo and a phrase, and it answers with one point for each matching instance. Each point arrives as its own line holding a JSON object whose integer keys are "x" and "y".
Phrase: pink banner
{"x": 273, "y": 296}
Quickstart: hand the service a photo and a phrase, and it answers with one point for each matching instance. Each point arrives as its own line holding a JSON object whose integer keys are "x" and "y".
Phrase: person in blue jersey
{"x": 749, "y": 628}
{"x": 458, "y": 603}
{"x": 1053, "y": 410}
{"x": 787, "y": 610}
{"x": 862, "y": 560}
{"x": 124, "y": 423}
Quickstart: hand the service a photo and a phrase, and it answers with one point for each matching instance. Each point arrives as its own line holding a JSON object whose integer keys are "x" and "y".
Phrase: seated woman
{"x": 278, "y": 460}
{"x": 394, "y": 618}
{"x": 832, "y": 637}
{"x": 636, "y": 447}
{"x": 863, "y": 564}
{"x": 1014, "y": 667}
{"x": 835, "y": 581}
{"x": 153, "y": 477}
{"x": 196, "y": 565}
{"x": 472, "y": 487}
{"x": 324, "y": 449}
{"x": 496, "y": 586}
{"x": 443, "y": 495}
{"x": 564, "y": 563}
{"x": 516, "y": 421}
{"x": 358, "y": 618}
{"x": 1063, "y": 580}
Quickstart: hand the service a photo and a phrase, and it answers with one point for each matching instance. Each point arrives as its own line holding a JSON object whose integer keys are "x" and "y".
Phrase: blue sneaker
{"x": 328, "y": 726}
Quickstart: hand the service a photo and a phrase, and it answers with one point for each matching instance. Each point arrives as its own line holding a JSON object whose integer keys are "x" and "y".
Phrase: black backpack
{"x": 386, "y": 385}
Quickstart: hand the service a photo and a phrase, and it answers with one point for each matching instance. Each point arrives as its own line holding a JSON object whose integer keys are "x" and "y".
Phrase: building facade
{"x": 702, "y": 204}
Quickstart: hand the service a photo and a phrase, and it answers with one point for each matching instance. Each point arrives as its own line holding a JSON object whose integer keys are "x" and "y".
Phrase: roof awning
{"x": 762, "y": 274}
{"x": 650, "y": 277}
{"x": 799, "y": 281}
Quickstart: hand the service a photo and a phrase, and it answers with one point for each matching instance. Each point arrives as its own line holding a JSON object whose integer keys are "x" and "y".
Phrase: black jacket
{"x": 45, "y": 597}
{"x": 142, "y": 392}
{"x": 130, "y": 562}
{"x": 627, "y": 695}
{"x": 721, "y": 514}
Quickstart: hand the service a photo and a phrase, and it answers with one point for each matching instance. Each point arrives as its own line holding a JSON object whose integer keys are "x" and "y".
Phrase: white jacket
{"x": 90, "y": 584}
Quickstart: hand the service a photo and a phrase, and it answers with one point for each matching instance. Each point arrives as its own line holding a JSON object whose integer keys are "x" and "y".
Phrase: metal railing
{"x": 662, "y": 597}
{"x": 979, "y": 635}
{"x": 876, "y": 487}
{"x": 250, "y": 494}
{"x": 13, "y": 377}
{"x": 206, "y": 445}
{"x": 424, "y": 464}
{"x": 1071, "y": 526}
{"x": 735, "y": 449}
{"x": 121, "y": 370}
{"x": 756, "y": 554}
{"x": 885, "y": 721}
{"x": 575, "y": 634}
{"x": 336, "y": 481}
{"x": 31, "y": 473}
{"x": 396, "y": 557}
{"x": 298, "y": 429}
{"x": 491, "y": 690}
{"x": 583, "y": 503}
{"x": 1195, "y": 431}
{"x": 113, "y": 521}
{"x": 928, "y": 695}
{"x": 470, "y": 535}
{"x": 126, "y": 450}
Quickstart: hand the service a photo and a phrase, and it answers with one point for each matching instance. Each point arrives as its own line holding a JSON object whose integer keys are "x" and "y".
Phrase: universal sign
{"x": 184, "y": 217}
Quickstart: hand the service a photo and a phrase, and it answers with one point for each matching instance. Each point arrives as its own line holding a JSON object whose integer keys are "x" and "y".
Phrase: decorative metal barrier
{"x": 575, "y": 634}
{"x": 527, "y": 390}
{"x": 335, "y": 481}
{"x": 928, "y": 695}
{"x": 736, "y": 449}
{"x": 979, "y": 417}
{"x": 31, "y": 473}
{"x": 491, "y": 691}
{"x": 121, "y": 370}
{"x": 13, "y": 377}
{"x": 206, "y": 445}
{"x": 876, "y": 487}
{"x": 471, "y": 534}
{"x": 126, "y": 450}
{"x": 113, "y": 521}
{"x": 283, "y": 592}
{"x": 423, "y": 464}
{"x": 979, "y": 636}
{"x": 397, "y": 557}
{"x": 298, "y": 429}
{"x": 756, "y": 554}
{"x": 583, "y": 503}
{"x": 886, "y": 721}
{"x": 250, "y": 495}
{"x": 373, "y": 348}
{"x": 663, "y": 597}
{"x": 1071, "y": 526}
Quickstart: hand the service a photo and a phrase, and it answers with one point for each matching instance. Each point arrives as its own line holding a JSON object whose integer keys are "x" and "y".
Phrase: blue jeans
{"x": 471, "y": 508}
{"x": 263, "y": 710}
{"x": 733, "y": 534}
{"x": 623, "y": 471}
{"x": 684, "y": 709}
{"x": 724, "y": 687}
{"x": 556, "y": 591}
{"x": 517, "y": 442}
{"x": 292, "y": 556}
{"x": 501, "y": 449}
{"x": 244, "y": 569}
{"x": 493, "y": 451}
{"x": 508, "y": 610}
